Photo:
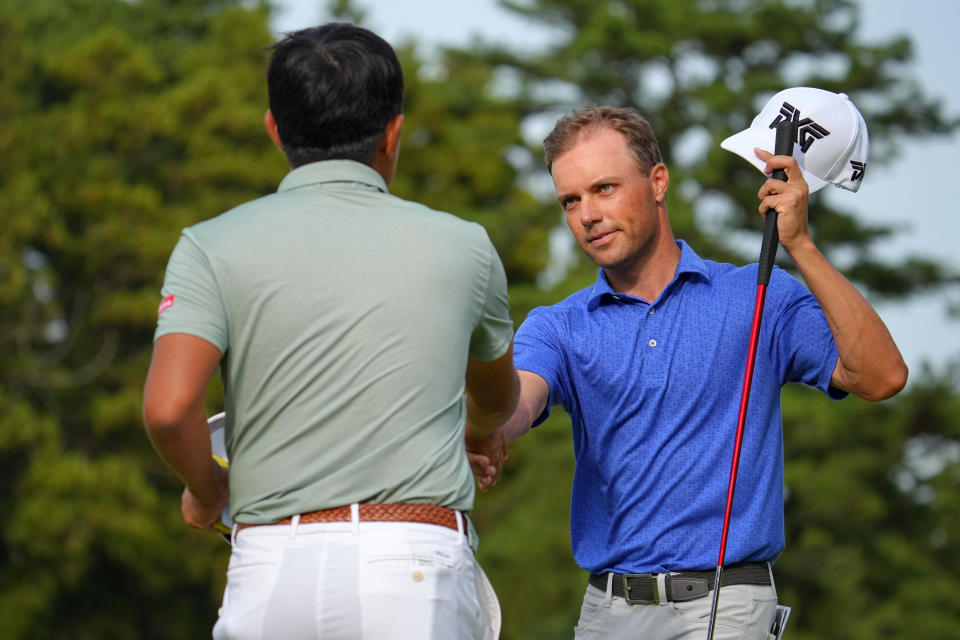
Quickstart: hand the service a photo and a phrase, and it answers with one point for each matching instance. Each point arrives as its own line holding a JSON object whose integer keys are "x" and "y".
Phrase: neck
{"x": 648, "y": 279}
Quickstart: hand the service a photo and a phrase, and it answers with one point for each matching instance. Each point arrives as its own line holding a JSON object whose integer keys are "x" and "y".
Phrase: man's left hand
{"x": 788, "y": 199}
{"x": 202, "y": 515}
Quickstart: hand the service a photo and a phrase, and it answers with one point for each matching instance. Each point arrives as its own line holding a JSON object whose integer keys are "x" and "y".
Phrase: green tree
{"x": 700, "y": 71}
{"x": 872, "y": 490}
{"x": 122, "y": 123}
{"x": 459, "y": 154}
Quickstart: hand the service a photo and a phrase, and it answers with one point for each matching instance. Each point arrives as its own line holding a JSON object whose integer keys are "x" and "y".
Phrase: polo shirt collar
{"x": 690, "y": 263}
{"x": 326, "y": 171}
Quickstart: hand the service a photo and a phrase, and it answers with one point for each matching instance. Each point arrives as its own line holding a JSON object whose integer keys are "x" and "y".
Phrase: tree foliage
{"x": 124, "y": 121}
{"x": 869, "y": 486}
{"x": 700, "y": 70}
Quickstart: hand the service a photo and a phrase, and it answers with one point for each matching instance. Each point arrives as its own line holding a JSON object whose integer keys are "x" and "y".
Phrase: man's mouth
{"x": 597, "y": 239}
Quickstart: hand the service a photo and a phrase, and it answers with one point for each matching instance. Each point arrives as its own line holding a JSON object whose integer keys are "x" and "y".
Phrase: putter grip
{"x": 786, "y": 134}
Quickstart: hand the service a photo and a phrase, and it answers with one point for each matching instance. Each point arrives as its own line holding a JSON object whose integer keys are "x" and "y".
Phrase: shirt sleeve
{"x": 536, "y": 349}
{"x": 491, "y": 337}
{"x": 192, "y": 302}
{"x": 806, "y": 350}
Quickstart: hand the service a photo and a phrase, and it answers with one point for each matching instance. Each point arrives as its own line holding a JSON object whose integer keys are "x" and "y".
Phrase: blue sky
{"x": 909, "y": 192}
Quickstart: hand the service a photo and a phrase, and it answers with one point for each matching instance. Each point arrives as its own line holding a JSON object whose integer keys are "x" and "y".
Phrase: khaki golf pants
{"x": 744, "y": 612}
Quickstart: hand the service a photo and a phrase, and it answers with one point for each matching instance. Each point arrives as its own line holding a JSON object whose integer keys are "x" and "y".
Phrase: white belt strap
{"x": 355, "y": 518}
{"x": 661, "y": 588}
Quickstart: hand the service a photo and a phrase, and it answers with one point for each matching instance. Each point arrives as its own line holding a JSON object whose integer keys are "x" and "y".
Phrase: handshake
{"x": 486, "y": 456}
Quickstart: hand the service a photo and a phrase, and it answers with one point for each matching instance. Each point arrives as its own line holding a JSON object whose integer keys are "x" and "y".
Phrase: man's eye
{"x": 606, "y": 187}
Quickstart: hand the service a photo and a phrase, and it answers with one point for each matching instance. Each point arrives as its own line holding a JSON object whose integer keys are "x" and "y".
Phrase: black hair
{"x": 333, "y": 89}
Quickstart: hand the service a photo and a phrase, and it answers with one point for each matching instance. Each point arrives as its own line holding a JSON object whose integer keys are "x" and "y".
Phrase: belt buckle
{"x": 626, "y": 588}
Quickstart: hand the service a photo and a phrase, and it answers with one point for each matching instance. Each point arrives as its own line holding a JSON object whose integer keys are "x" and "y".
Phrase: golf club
{"x": 786, "y": 134}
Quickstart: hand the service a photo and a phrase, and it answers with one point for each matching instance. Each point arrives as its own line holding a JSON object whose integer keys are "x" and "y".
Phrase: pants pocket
{"x": 428, "y": 592}
{"x": 590, "y": 610}
{"x": 744, "y": 612}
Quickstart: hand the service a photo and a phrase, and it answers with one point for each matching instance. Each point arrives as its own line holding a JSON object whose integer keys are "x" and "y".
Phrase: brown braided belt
{"x": 393, "y": 512}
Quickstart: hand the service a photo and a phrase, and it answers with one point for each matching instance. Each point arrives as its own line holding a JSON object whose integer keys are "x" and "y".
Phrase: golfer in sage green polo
{"x": 360, "y": 337}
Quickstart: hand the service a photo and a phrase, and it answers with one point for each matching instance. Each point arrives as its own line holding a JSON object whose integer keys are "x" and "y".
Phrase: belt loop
{"x": 661, "y": 588}
{"x": 233, "y": 534}
{"x": 773, "y": 583}
{"x": 459, "y": 518}
{"x": 609, "y": 589}
{"x": 294, "y": 523}
{"x": 355, "y": 518}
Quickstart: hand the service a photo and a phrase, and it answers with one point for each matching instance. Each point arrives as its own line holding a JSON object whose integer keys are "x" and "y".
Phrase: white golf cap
{"x": 832, "y": 141}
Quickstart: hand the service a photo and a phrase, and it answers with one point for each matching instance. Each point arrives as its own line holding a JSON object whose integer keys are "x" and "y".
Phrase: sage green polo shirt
{"x": 345, "y": 316}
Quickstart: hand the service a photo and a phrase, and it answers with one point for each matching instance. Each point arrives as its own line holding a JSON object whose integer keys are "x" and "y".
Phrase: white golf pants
{"x": 351, "y": 581}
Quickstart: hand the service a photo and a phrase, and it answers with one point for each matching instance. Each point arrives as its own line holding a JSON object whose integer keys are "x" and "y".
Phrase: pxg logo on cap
{"x": 832, "y": 141}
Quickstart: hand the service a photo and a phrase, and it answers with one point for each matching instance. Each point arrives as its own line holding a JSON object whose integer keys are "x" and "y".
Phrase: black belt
{"x": 641, "y": 588}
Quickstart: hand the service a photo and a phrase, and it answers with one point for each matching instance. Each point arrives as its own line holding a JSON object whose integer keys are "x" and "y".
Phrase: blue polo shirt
{"x": 653, "y": 390}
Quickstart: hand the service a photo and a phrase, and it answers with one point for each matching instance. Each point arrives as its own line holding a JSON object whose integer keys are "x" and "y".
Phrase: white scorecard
{"x": 218, "y": 448}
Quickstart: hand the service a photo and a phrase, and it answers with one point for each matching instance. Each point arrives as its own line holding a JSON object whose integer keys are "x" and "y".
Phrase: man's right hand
{"x": 488, "y": 453}
{"x": 487, "y": 456}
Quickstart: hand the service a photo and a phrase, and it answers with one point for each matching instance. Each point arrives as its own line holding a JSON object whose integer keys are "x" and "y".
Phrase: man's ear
{"x": 660, "y": 180}
{"x": 271, "y": 126}
{"x": 390, "y": 144}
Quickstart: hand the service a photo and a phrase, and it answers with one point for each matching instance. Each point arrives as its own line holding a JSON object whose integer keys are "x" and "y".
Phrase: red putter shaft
{"x": 786, "y": 135}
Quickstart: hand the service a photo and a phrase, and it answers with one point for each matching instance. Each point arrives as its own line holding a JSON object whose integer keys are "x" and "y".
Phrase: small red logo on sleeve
{"x": 166, "y": 304}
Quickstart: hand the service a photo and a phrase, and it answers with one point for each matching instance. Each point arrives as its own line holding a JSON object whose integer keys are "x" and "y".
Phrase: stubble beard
{"x": 628, "y": 264}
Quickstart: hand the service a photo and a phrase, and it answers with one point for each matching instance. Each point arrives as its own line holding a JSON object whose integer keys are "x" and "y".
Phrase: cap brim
{"x": 743, "y": 144}
{"x": 746, "y": 141}
{"x": 813, "y": 182}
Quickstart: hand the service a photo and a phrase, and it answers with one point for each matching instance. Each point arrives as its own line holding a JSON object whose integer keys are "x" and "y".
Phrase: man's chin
{"x": 603, "y": 257}
{"x": 605, "y": 261}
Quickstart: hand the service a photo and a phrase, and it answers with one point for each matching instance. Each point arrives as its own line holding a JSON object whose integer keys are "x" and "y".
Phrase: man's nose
{"x": 590, "y": 213}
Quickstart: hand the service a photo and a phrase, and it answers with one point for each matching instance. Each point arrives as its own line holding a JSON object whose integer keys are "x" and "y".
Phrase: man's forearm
{"x": 870, "y": 364}
{"x": 492, "y": 389}
{"x": 185, "y": 447}
{"x": 520, "y": 422}
{"x": 481, "y": 422}
{"x": 534, "y": 395}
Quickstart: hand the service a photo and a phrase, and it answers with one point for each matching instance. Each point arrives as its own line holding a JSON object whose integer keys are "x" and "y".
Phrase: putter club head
{"x": 831, "y": 144}
{"x": 218, "y": 448}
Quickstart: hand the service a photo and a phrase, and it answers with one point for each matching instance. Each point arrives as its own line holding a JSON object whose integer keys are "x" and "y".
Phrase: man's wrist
{"x": 800, "y": 248}
{"x": 477, "y": 433}
{"x": 218, "y": 490}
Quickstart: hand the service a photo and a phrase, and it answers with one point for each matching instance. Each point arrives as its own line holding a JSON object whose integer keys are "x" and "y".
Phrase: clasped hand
{"x": 486, "y": 456}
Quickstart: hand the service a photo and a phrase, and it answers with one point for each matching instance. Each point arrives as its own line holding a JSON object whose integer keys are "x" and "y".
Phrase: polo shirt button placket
{"x": 652, "y": 342}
